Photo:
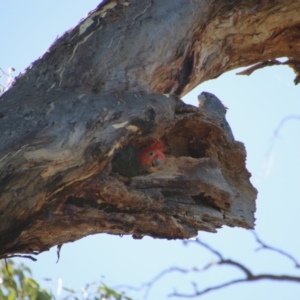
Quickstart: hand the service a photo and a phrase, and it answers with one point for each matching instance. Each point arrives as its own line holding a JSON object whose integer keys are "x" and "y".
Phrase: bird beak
{"x": 157, "y": 162}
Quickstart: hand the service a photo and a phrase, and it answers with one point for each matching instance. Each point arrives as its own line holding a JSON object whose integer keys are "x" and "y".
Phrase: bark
{"x": 106, "y": 83}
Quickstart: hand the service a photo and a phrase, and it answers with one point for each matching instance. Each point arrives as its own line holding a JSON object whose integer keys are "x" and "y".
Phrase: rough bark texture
{"x": 102, "y": 85}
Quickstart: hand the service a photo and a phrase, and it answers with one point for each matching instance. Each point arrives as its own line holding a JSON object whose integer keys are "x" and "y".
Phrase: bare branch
{"x": 148, "y": 285}
{"x": 248, "y": 275}
{"x": 199, "y": 293}
{"x": 22, "y": 256}
{"x": 265, "y": 246}
{"x": 283, "y": 121}
{"x": 4, "y": 73}
{"x": 254, "y": 278}
{"x": 220, "y": 256}
{"x": 58, "y": 252}
{"x": 230, "y": 262}
{"x": 271, "y": 62}
{"x": 267, "y": 63}
{"x": 199, "y": 242}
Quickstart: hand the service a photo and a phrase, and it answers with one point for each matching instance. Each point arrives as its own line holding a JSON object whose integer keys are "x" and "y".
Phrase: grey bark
{"x": 107, "y": 83}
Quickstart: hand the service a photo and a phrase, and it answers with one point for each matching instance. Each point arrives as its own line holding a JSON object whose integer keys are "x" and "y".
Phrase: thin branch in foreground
{"x": 148, "y": 285}
{"x": 4, "y": 73}
{"x": 283, "y": 121}
{"x": 209, "y": 248}
{"x": 22, "y": 256}
{"x": 248, "y": 275}
{"x": 267, "y": 247}
{"x": 198, "y": 293}
{"x": 58, "y": 248}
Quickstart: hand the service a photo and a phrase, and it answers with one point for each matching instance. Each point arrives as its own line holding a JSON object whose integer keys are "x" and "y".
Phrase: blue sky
{"x": 256, "y": 105}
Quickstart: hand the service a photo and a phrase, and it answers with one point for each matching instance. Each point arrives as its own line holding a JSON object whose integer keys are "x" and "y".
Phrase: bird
{"x": 213, "y": 105}
{"x": 131, "y": 161}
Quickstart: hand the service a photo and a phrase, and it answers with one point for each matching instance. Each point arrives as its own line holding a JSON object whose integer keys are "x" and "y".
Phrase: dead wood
{"x": 107, "y": 83}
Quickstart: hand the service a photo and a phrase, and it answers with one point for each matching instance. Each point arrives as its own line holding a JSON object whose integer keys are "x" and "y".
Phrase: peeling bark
{"x": 101, "y": 86}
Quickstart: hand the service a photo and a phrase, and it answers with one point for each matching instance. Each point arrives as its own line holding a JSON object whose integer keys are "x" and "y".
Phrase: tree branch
{"x": 267, "y": 247}
{"x": 21, "y": 256}
{"x": 273, "y": 62}
{"x": 248, "y": 275}
{"x": 254, "y": 278}
{"x": 283, "y": 121}
{"x": 267, "y": 63}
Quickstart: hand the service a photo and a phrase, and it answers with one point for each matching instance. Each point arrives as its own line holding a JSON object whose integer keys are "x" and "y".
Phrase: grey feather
{"x": 126, "y": 162}
{"x": 213, "y": 105}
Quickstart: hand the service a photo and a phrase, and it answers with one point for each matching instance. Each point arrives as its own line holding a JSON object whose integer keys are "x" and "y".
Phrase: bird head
{"x": 152, "y": 157}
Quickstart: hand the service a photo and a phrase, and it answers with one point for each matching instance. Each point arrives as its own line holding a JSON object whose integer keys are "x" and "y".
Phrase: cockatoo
{"x": 131, "y": 161}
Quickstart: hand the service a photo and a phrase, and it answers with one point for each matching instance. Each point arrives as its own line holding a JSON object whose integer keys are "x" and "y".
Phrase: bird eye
{"x": 151, "y": 153}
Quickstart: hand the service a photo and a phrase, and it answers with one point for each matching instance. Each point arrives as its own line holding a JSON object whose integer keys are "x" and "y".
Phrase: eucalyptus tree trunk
{"x": 116, "y": 79}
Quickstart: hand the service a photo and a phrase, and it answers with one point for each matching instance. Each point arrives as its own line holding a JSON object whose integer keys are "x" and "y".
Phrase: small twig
{"x": 58, "y": 252}
{"x": 283, "y": 121}
{"x": 4, "y": 73}
{"x": 149, "y": 284}
{"x": 265, "y": 246}
{"x": 254, "y": 278}
{"x": 199, "y": 293}
{"x": 220, "y": 256}
{"x": 294, "y": 64}
{"x": 162, "y": 274}
{"x": 260, "y": 65}
{"x": 22, "y": 256}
